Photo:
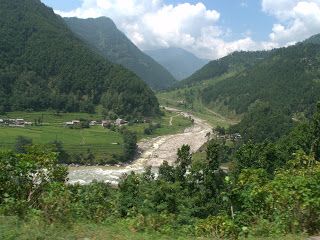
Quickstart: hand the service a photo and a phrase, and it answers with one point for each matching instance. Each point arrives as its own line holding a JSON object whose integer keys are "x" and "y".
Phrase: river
{"x": 153, "y": 152}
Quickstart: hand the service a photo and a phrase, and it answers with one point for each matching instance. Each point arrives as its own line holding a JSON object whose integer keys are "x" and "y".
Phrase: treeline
{"x": 44, "y": 66}
{"x": 271, "y": 189}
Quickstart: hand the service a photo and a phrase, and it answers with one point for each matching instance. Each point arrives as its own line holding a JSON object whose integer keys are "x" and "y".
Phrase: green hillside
{"x": 273, "y": 94}
{"x": 104, "y": 37}
{"x": 44, "y": 66}
{"x": 288, "y": 79}
{"x": 234, "y": 62}
{"x": 314, "y": 39}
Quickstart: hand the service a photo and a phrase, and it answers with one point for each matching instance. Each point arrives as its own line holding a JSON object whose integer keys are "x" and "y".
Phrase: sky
{"x": 210, "y": 29}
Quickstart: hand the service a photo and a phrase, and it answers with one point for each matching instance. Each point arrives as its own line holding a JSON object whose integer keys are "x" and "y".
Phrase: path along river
{"x": 153, "y": 152}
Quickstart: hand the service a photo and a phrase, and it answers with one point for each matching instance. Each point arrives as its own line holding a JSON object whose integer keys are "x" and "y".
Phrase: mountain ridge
{"x": 105, "y": 38}
{"x": 43, "y": 65}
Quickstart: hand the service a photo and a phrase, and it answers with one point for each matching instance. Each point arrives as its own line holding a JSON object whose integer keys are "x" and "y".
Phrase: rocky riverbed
{"x": 153, "y": 153}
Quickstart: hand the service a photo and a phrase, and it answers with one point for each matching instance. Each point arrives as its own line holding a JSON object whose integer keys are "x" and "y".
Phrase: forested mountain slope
{"x": 273, "y": 94}
{"x": 289, "y": 79}
{"x": 102, "y": 35}
{"x": 44, "y": 66}
{"x": 179, "y": 62}
{"x": 234, "y": 62}
{"x": 314, "y": 39}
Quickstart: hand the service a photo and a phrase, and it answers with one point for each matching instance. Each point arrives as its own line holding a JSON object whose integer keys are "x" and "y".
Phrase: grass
{"x": 208, "y": 113}
{"x": 96, "y": 138}
{"x": 102, "y": 142}
{"x": 179, "y": 123}
{"x": 12, "y": 228}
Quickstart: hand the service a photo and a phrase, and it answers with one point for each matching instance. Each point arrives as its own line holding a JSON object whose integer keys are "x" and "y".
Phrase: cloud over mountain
{"x": 298, "y": 20}
{"x": 153, "y": 24}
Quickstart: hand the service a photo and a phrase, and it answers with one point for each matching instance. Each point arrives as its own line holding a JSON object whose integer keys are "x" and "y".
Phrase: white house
{"x": 20, "y": 121}
{"x": 93, "y": 123}
{"x": 120, "y": 121}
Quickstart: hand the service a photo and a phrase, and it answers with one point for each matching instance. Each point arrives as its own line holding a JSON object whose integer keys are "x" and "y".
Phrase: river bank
{"x": 153, "y": 152}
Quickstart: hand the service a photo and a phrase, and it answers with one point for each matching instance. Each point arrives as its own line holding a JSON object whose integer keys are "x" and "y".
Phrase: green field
{"x": 191, "y": 98}
{"x": 102, "y": 142}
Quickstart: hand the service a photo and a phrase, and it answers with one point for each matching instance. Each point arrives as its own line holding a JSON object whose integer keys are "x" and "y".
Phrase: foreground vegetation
{"x": 270, "y": 190}
{"x": 89, "y": 145}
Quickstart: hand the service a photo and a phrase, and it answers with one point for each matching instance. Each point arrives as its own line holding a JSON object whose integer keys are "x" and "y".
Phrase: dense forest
{"x": 104, "y": 37}
{"x": 274, "y": 93}
{"x": 270, "y": 190}
{"x": 234, "y": 62}
{"x": 44, "y": 66}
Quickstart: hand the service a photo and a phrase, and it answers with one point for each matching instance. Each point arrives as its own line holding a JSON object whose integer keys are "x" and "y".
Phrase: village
{"x": 20, "y": 122}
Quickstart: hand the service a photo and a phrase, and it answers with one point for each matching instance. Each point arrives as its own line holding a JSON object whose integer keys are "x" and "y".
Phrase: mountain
{"x": 104, "y": 37}
{"x": 314, "y": 39}
{"x": 179, "y": 62}
{"x": 234, "y": 62}
{"x": 273, "y": 94}
{"x": 289, "y": 78}
{"x": 43, "y": 65}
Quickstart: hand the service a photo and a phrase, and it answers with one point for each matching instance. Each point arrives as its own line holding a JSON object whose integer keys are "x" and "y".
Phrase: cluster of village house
{"x": 19, "y": 122}
{"x": 103, "y": 123}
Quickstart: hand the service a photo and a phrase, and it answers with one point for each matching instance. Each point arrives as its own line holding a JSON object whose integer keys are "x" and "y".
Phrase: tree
{"x": 213, "y": 155}
{"x": 21, "y": 144}
{"x": 166, "y": 172}
{"x": 316, "y": 133}
{"x": 63, "y": 156}
{"x": 183, "y": 162}
{"x": 130, "y": 145}
{"x": 24, "y": 177}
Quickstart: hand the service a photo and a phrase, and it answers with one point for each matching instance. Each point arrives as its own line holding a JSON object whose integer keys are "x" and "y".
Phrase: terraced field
{"x": 102, "y": 142}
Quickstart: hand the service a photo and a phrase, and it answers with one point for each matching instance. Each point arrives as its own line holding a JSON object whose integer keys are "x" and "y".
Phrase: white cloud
{"x": 298, "y": 20}
{"x": 153, "y": 24}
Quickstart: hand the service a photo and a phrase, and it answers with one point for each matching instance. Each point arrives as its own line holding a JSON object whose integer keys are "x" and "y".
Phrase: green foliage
{"x": 263, "y": 122}
{"x": 129, "y": 145}
{"x": 236, "y": 61}
{"x": 24, "y": 177}
{"x": 316, "y": 133}
{"x": 267, "y": 156}
{"x": 43, "y": 65}
{"x": 184, "y": 159}
{"x": 270, "y": 191}
{"x": 271, "y": 92}
{"x": 21, "y": 144}
{"x": 104, "y": 37}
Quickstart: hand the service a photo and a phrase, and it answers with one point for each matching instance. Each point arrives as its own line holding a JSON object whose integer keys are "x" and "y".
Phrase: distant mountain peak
{"x": 180, "y": 62}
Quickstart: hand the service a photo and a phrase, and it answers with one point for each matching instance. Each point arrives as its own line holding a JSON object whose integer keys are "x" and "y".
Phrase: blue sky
{"x": 208, "y": 28}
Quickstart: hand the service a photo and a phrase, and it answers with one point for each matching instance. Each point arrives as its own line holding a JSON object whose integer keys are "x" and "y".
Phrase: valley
{"x": 114, "y": 123}
{"x": 101, "y": 143}
{"x": 152, "y": 152}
